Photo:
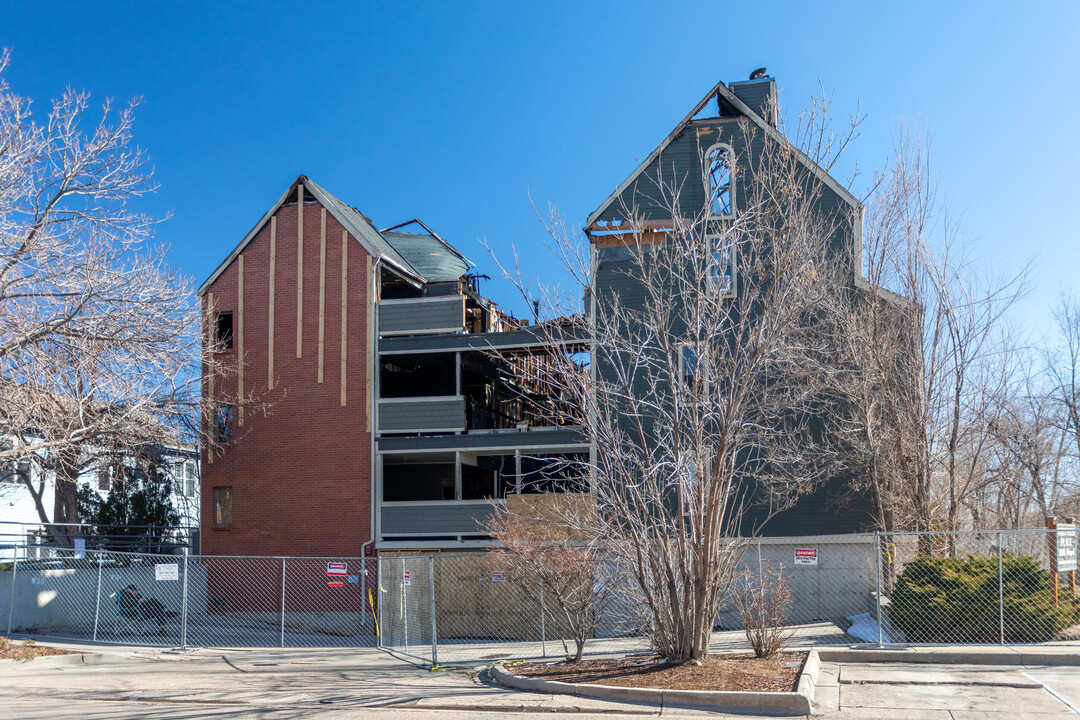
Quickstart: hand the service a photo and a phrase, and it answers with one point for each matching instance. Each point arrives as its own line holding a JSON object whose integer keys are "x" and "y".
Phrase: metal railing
{"x": 877, "y": 589}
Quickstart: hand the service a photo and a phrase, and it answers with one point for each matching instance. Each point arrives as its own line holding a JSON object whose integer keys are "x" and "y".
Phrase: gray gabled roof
{"x": 429, "y": 254}
{"x": 721, "y": 91}
{"x": 350, "y": 218}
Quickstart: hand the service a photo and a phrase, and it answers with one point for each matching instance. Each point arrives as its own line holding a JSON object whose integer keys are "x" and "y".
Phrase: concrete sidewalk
{"x": 366, "y": 683}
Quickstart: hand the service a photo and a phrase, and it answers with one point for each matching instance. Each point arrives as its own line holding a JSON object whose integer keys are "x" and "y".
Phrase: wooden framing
{"x": 322, "y": 293}
{"x": 629, "y": 240}
{"x": 273, "y": 277}
{"x": 300, "y": 270}
{"x": 344, "y": 311}
{"x": 240, "y": 360}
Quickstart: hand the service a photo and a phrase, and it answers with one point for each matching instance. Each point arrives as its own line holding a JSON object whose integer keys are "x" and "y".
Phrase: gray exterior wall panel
{"x": 446, "y": 519}
{"x": 427, "y": 415}
{"x": 434, "y": 315}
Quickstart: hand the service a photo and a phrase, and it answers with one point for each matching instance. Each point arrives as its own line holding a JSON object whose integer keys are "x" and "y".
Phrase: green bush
{"x": 955, "y": 600}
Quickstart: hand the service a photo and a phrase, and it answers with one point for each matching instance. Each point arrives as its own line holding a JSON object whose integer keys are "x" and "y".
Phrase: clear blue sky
{"x": 457, "y": 112}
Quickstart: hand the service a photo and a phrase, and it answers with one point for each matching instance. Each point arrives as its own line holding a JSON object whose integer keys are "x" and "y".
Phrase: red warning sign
{"x": 337, "y": 572}
{"x": 806, "y": 556}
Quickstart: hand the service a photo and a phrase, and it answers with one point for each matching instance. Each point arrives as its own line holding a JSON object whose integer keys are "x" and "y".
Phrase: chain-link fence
{"x": 214, "y": 601}
{"x": 898, "y": 588}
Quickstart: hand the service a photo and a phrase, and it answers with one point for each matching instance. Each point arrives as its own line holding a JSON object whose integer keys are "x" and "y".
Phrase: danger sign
{"x": 337, "y": 569}
{"x": 806, "y": 556}
{"x": 498, "y": 576}
{"x": 408, "y": 578}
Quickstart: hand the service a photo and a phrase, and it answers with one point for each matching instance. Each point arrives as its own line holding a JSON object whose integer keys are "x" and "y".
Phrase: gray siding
{"x": 422, "y": 415}
{"x": 444, "y": 314}
{"x": 527, "y": 337}
{"x": 446, "y": 519}
{"x": 563, "y": 438}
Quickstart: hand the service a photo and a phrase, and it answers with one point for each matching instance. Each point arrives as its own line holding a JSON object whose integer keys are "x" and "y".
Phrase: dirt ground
{"x": 26, "y": 650}
{"x": 717, "y": 672}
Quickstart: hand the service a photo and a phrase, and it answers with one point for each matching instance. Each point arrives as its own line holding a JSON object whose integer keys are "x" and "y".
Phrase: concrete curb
{"x": 781, "y": 703}
{"x": 997, "y": 656}
{"x": 51, "y": 661}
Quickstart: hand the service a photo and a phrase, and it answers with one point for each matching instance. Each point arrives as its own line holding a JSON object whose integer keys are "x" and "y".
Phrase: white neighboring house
{"x": 20, "y": 523}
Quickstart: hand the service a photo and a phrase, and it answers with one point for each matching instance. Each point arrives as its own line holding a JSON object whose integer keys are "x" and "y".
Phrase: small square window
{"x": 223, "y": 424}
{"x": 223, "y": 331}
{"x": 223, "y": 505}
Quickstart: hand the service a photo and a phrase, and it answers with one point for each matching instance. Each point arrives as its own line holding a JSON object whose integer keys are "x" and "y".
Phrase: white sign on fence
{"x": 80, "y": 548}
{"x": 166, "y": 571}
{"x": 408, "y": 577}
{"x": 806, "y": 556}
{"x": 1066, "y": 548}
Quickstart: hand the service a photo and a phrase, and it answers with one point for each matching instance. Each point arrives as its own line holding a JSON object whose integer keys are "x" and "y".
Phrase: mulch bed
{"x": 717, "y": 672}
{"x": 26, "y": 650}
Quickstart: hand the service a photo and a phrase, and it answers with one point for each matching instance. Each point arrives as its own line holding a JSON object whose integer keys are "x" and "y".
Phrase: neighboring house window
{"x": 223, "y": 505}
{"x": 104, "y": 481}
{"x": 223, "y": 331}
{"x": 720, "y": 161}
{"x": 184, "y": 478}
{"x": 722, "y": 265}
{"x": 13, "y": 471}
{"x": 693, "y": 372}
{"x": 223, "y": 431}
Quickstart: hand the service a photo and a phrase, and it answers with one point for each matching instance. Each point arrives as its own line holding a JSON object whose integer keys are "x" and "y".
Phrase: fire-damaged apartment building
{"x": 382, "y": 401}
{"x": 377, "y": 401}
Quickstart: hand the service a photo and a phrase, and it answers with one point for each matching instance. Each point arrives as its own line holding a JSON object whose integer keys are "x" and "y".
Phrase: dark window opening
{"x": 13, "y": 471}
{"x": 427, "y": 481}
{"x": 402, "y": 376}
{"x": 223, "y": 505}
{"x": 223, "y": 424}
{"x": 563, "y": 473}
{"x": 489, "y": 476}
{"x": 223, "y": 331}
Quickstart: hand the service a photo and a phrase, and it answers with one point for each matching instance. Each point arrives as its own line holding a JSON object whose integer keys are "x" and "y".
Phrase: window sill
{"x": 225, "y": 528}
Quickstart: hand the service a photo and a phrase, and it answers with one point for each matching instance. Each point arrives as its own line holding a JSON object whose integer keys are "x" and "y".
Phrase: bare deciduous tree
{"x": 566, "y": 563}
{"x": 99, "y": 351}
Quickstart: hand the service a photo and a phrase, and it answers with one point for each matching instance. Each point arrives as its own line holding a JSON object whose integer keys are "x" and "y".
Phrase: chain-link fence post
{"x": 14, "y": 578}
{"x": 405, "y": 603}
{"x": 378, "y": 595}
{"x": 97, "y": 598}
{"x": 543, "y": 623}
{"x": 434, "y": 633}
{"x": 1001, "y": 596}
{"x": 877, "y": 573}
{"x": 184, "y": 605}
{"x": 282, "y": 602}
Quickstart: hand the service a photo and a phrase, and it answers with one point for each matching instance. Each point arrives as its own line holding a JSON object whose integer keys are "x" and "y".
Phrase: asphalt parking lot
{"x": 367, "y": 683}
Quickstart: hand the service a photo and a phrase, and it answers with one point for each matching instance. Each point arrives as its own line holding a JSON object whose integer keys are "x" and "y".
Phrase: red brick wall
{"x": 301, "y": 474}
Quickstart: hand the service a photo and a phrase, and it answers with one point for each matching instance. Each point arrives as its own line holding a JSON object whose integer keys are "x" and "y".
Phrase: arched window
{"x": 720, "y": 165}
